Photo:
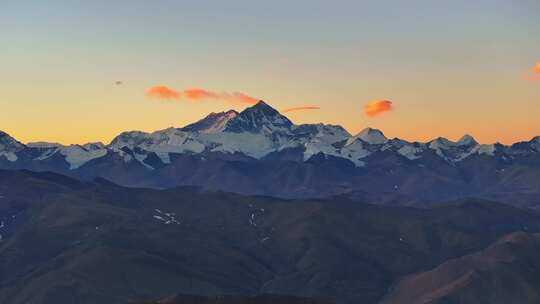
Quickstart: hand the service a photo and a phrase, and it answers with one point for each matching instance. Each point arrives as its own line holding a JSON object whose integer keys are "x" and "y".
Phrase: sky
{"x": 446, "y": 67}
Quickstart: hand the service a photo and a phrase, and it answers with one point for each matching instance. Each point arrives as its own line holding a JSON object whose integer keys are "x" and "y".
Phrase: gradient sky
{"x": 449, "y": 67}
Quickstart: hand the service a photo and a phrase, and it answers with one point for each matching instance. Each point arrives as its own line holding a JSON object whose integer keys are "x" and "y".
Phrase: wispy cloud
{"x": 377, "y": 107}
{"x": 198, "y": 94}
{"x": 162, "y": 92}
{"x": 300, "y": 109}
{"x": 202, "y": 94}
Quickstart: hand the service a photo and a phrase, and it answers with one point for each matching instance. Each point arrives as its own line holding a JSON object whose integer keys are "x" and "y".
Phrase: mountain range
{"x": 66, "y": 241}
{"x": 260, "y": 151}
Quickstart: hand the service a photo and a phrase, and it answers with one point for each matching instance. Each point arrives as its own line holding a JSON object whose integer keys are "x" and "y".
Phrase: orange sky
{"x": 447, "y": 71}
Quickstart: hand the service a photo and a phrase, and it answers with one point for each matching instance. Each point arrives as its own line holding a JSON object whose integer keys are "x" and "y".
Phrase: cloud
{"x": 533, "y": 74}
{"x": 300, "y": 109}
{"x": 377, "y": 107}
{"x": 162, "y": 92}
{"x": 536, "y": 69}
{"x": 198, "y": 94}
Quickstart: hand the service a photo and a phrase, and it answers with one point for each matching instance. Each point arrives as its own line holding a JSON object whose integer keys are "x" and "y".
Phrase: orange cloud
{"x": 162, "y": 92}
{"x": 532, "y": 75}
{"x": 536, "y": 69}
{"x": 236, "y": 97}
{"x": 377, "y": 107}
{"x": 197, "y": 94}
{"x": 300, "y": 109}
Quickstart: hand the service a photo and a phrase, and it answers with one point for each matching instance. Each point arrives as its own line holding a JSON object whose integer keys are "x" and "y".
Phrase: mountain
{"x": 506, "y": 272}
{"x": 9, "y": 147}
{"x": 260, "y": 299}
{"x": 259, "y": 118}
{"x": 66, "y": 241}
{"x": 213, "y": 123}
{"x": 260, "y": 151}
{"x": 370, "y": 136}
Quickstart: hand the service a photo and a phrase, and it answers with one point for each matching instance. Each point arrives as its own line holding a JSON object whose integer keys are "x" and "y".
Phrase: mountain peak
{"x": 262, "y": 106}
{"x": 466, "y": 140}
{"x": 441, "y": 142}
{"x": 259, "y": 117}
{"x": 372, "y": 136}
{"x": 8, "y": 143}
{"x": 214, "y": 122}
{"x": 262, "y": 103}
{"x": 535, "y": 143}
{"x": 9, "y": 146}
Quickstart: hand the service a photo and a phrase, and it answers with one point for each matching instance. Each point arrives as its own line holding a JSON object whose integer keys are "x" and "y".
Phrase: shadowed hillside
{"x": 261, "y": 299}
{"x": 507, "y": 272}
{"x": 66, "y": 241}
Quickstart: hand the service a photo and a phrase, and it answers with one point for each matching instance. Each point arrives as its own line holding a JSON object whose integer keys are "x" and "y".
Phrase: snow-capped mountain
{"x": 259, "y": 118}
{"x": 9, "y": 147}
{"x": 369, "y": 136}
{"x": 256, "y": 132}
{"x": 213, "y": 123}
{"x": 258, "y": 148}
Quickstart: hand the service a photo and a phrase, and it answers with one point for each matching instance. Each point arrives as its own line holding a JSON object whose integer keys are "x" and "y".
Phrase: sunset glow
{"x": 71, "y": 74}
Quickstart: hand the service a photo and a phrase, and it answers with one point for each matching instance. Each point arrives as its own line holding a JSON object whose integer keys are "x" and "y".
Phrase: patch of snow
{"x": 9, "y": 146}
{"x": 164, "y": 156}
{"x": 485, "y": 149}
{"x": 167, "y": 218}
{"x": 77, "y": 155}
{"x": 411, "y": 152}
{"x": 252, "y": 220}
{"x": 355, "y": 151}
{"x": 370, "y": 136}
{"x": 49, "y": 152}
{"x": 456, "y": 151}
{"x": 213, "y": 123}
{"x": 466, "y": 140}
{"x": 141, "y": 158}
{"x": 10, "y": 156}
{"x": 479, "y": 150}
{"x": 317, "y": 138}
{"x": 256, "y": 145}
{"x": 440, "y": 144}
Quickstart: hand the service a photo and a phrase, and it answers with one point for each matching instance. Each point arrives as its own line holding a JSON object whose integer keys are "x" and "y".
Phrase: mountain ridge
{"x": 66, "y": 241}
{"x": 255, "y": 119}
{"x": 260, "y": 151}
